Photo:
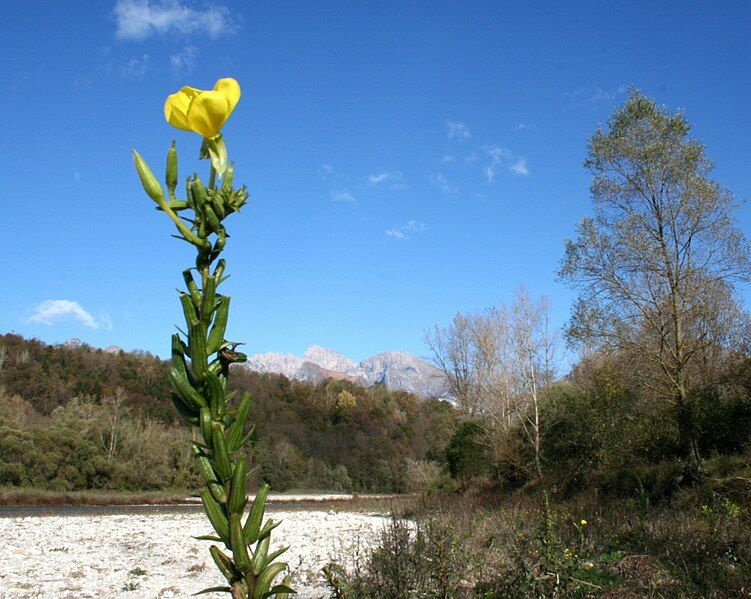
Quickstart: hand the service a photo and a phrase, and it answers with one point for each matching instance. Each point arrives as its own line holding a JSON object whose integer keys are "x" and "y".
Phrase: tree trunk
{"x": 687, "y": 432}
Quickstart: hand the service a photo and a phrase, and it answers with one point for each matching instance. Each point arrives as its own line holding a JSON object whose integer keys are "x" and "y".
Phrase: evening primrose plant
{"x": 201, "y": 356}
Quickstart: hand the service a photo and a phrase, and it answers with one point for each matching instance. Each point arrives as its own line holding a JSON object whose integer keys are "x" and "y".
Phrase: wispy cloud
{"x": 497, "y": 155}
{"x": 471, "y": 158}
{"x": 51, "y": 312}
{"x": 337, "y": 183}
{"x": 520, "y": 167}
{"x": 500, "y": 156}
{"x": 136, "y": 67}
{"x": 139, "y": 19}
{"x": 601, "y": 95}
{"x": 440, "y": 182}
{"x": 489, "y": 159}
{"x": 404, "y": 231}
{"x": 83, "y": 83}
{"x": 342, "y": 195}
{"x": 183, "y": 62}
{"x": 457, "y": 130}
{"x": 590, "y": 96}
{"x": 387, "y": 179}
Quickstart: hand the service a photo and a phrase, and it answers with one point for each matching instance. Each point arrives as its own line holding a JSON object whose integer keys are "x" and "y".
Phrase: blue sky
{"x": 405, "y": 160}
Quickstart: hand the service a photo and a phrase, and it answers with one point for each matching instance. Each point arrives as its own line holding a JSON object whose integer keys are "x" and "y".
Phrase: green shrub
{"x": 467, "y": 453}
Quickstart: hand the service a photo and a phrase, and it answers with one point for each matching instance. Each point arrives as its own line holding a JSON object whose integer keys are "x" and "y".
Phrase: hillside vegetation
{"x": 81, "y": 418}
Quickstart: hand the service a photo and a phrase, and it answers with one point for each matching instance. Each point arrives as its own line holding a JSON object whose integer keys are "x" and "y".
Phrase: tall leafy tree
{"x": 656, "y": 264}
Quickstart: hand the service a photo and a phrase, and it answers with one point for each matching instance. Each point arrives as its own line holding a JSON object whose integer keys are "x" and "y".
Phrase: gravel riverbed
{"x": 153, "y": 555}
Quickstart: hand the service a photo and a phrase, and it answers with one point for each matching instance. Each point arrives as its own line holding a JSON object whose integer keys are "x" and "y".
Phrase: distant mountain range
{"x": 74, "y": 343}
{"x": 396, "y": 370}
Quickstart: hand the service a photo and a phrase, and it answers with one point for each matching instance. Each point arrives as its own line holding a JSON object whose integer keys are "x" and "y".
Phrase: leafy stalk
{"x": 200, "y": 368}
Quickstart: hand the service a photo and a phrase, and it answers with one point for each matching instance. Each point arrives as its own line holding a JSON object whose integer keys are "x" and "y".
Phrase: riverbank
{"x": 14, "y": 497}
{"x": 17, "y": 496}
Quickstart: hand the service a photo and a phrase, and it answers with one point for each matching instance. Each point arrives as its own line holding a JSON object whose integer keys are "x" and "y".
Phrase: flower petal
{"x": 231, "y": 89}
{"x": 207, "y": 113}
{"x": 177, "y": 105}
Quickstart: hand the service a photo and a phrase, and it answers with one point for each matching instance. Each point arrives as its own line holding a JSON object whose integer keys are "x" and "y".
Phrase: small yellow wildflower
{"x": 583, "y": 522}
{"x": 203, "y": 111}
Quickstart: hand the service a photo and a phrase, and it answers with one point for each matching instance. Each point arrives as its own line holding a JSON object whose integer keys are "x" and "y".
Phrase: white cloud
{"x": 446, "y": 158}
{"x": 601, "y": 95}
{"x": 457, "y": 130}
{"x": 520, "y": 167}
{"x": 379, "y": 178}
{"x": 589, "y": 96}
{"x": 471, "y": 158}
{"x": 50, "y": 312}
{"x": 184, "y": 61}
{"x": 391, "y": 180}
{"x": 342, "y": 195}
{"x": 440, "y": 182}
{"x": 105, "y": 322}
{"x": 500, "y": 156}
{"x": 337, "y": 183}
{"x": 136, "y": 67}
{"x": 523, "y": 126}
{"x": 401, "y": 232}
{"x": 139, "y": 19}
{"x": 497, "y": 155}
{"x": 84, "y": 83}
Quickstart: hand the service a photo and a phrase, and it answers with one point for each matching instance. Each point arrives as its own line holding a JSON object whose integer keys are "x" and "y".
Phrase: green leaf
{"x": 213, "y": 590}
{"x": 280, "y": 589}
{"x": 253, "y": 523}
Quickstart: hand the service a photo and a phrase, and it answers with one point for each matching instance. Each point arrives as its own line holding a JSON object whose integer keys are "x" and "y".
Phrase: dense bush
{"x": 600, "y": 430}
{"x": 79, "y": 447}
{"x": 467, "y": 452}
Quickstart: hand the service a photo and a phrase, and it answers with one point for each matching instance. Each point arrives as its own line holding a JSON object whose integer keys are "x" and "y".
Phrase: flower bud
{"x": 148, "y": 180}
{"x": 199, "y": 191}
{"x": 171, "y": 174}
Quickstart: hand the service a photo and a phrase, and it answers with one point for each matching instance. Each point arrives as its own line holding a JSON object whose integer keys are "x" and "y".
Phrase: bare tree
{"x": 656, "y": 264}
{"x": 113, "y": 408}
{"x": 491, "y": 362}
{"x": 533, "y": 348}
{"x": 497, "y": 363}
{"x": 451, "y": 349}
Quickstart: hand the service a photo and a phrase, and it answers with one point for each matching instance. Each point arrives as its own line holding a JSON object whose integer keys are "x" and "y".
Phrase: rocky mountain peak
{"x": 397, "y": 370}
{"x": 329, "y": 359}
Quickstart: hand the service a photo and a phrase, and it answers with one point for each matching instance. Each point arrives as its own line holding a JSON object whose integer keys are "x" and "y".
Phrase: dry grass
{"x": 694, "y": 544}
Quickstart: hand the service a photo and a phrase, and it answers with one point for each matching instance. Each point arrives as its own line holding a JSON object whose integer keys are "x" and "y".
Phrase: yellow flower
{"x": 202, "y": 111}
{"x": 583, "y": 522}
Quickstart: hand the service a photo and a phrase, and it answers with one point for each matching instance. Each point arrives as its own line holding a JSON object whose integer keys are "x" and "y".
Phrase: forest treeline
{"x": 82, "y": 418}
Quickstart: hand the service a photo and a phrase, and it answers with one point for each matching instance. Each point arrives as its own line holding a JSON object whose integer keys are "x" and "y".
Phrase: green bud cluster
{"x": 201, "y": 360}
